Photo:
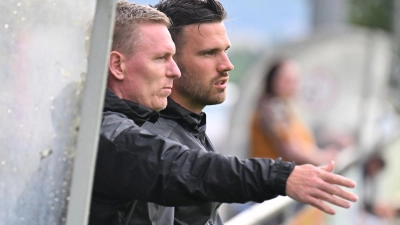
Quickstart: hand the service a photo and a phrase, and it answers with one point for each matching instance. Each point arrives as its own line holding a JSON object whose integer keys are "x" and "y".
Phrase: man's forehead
{"x": 200, "y": 27}
{"x": 154, "y": 32}
{"x": 204, "y": 31}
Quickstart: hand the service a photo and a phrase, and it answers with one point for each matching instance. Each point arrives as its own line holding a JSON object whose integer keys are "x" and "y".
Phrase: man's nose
{"x": 225, "y": 64}
{"x": 173, "y": 70}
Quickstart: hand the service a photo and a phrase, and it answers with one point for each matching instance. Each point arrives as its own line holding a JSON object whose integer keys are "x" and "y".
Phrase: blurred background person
{"x": 377, "y": 209}
{"x": 277, "y": 129}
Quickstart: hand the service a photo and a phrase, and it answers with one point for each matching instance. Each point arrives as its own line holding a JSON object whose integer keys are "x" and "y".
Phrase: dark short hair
{"x": 187, "y": 12}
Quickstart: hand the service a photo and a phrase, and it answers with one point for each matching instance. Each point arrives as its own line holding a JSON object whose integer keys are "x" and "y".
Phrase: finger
{"x": 319, "y": 194}
{"x": 337, "y": 191}
{"x": 319, "y": 204}
{"x": 338, "y": 180}
{"x": 329, "y": 168}
{"x": 347, "y": 195}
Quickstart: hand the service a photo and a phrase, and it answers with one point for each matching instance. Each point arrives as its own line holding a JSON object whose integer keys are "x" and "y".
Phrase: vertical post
{"x": 91, "y": 112}
{"x": 329, "y": 14}
{"x": 394, "y": 80}
{"x": 396, "y": 23}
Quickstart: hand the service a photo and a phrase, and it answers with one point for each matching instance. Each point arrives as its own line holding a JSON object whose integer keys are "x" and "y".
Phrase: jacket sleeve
{"x": 133, "y": 163}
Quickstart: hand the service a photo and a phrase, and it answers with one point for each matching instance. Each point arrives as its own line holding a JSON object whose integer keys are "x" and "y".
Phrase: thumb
{"x": 329, "y": 168}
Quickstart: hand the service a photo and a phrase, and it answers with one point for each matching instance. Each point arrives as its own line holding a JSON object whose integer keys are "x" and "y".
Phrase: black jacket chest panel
{"x": 174, "y": 131}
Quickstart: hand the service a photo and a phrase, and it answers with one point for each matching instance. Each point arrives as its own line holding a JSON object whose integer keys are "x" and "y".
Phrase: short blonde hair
{"x": 128, "y": 17}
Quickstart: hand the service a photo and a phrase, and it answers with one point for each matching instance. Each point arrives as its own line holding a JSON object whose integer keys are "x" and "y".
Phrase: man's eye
{"x": 210, "y": 53}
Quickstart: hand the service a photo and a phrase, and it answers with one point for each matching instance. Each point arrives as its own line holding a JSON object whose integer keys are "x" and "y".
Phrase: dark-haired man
{"x": 140, "y": 157}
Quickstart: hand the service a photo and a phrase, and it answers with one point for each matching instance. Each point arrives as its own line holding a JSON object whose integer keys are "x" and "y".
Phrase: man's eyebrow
{"x": 208, "y": 50}
{"x": 213, "y": 50}
{"x": 169, "y": 51}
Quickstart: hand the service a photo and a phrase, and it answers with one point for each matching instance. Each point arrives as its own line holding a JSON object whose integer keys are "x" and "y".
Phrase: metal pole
{"x": 396, "y": 23}
{"x": 394, "y": 80}
{"x": 91, "y": 112}
{"x": 329, "y": 14}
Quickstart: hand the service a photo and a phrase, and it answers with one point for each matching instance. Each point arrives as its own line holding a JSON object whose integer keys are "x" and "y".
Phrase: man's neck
{"x": 187, "y": 104}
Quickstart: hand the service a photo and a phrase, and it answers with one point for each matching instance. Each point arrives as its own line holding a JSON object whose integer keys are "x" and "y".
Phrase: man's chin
{"x": 217, "y": 100}
{"x": 160, "y": 106}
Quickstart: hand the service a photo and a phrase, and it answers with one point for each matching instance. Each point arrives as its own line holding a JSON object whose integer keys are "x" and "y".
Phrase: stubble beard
{"x": 199, "y": 94}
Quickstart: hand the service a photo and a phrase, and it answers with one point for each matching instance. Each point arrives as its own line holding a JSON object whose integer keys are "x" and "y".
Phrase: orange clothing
{"x": 261, "y": 145}
{"x": 274, "y": 125}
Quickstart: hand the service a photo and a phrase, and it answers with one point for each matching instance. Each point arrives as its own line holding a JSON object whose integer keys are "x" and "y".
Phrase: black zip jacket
{"x": 134, "y": 164}
{"x": 189, "y": 129}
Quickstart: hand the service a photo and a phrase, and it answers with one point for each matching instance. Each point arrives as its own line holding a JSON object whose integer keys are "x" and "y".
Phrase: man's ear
{"x": 116, "y": 65}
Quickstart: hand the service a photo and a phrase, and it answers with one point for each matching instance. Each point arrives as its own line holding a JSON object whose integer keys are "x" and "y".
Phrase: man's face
{"x": 150, "y": 71}
{"x": 204, "y": 64}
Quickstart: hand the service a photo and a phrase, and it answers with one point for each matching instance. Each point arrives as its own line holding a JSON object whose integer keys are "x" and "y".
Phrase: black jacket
{"x": 133, "y": 163}
{"x": 189, "y": 129}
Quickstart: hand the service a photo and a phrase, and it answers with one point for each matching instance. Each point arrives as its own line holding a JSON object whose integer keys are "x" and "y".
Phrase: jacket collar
{"x": 193, "y": 122}
{"x": 136, "y": 112}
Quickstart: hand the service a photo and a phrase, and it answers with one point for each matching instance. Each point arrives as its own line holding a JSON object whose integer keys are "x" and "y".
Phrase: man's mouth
{"x": 221, "y": 83}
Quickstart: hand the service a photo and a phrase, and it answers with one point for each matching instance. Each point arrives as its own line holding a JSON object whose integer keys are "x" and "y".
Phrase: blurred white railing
{"x": 260, "y": 213}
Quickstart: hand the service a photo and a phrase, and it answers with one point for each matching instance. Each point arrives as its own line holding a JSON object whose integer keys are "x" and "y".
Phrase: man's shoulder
{"x": 114, "y": 123}
{"x": 110, "y": 117}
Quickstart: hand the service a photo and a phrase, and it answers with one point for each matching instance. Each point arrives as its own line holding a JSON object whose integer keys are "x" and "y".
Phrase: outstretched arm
{"x": 314, "y": 185}
{"x": 135, "y": 164}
